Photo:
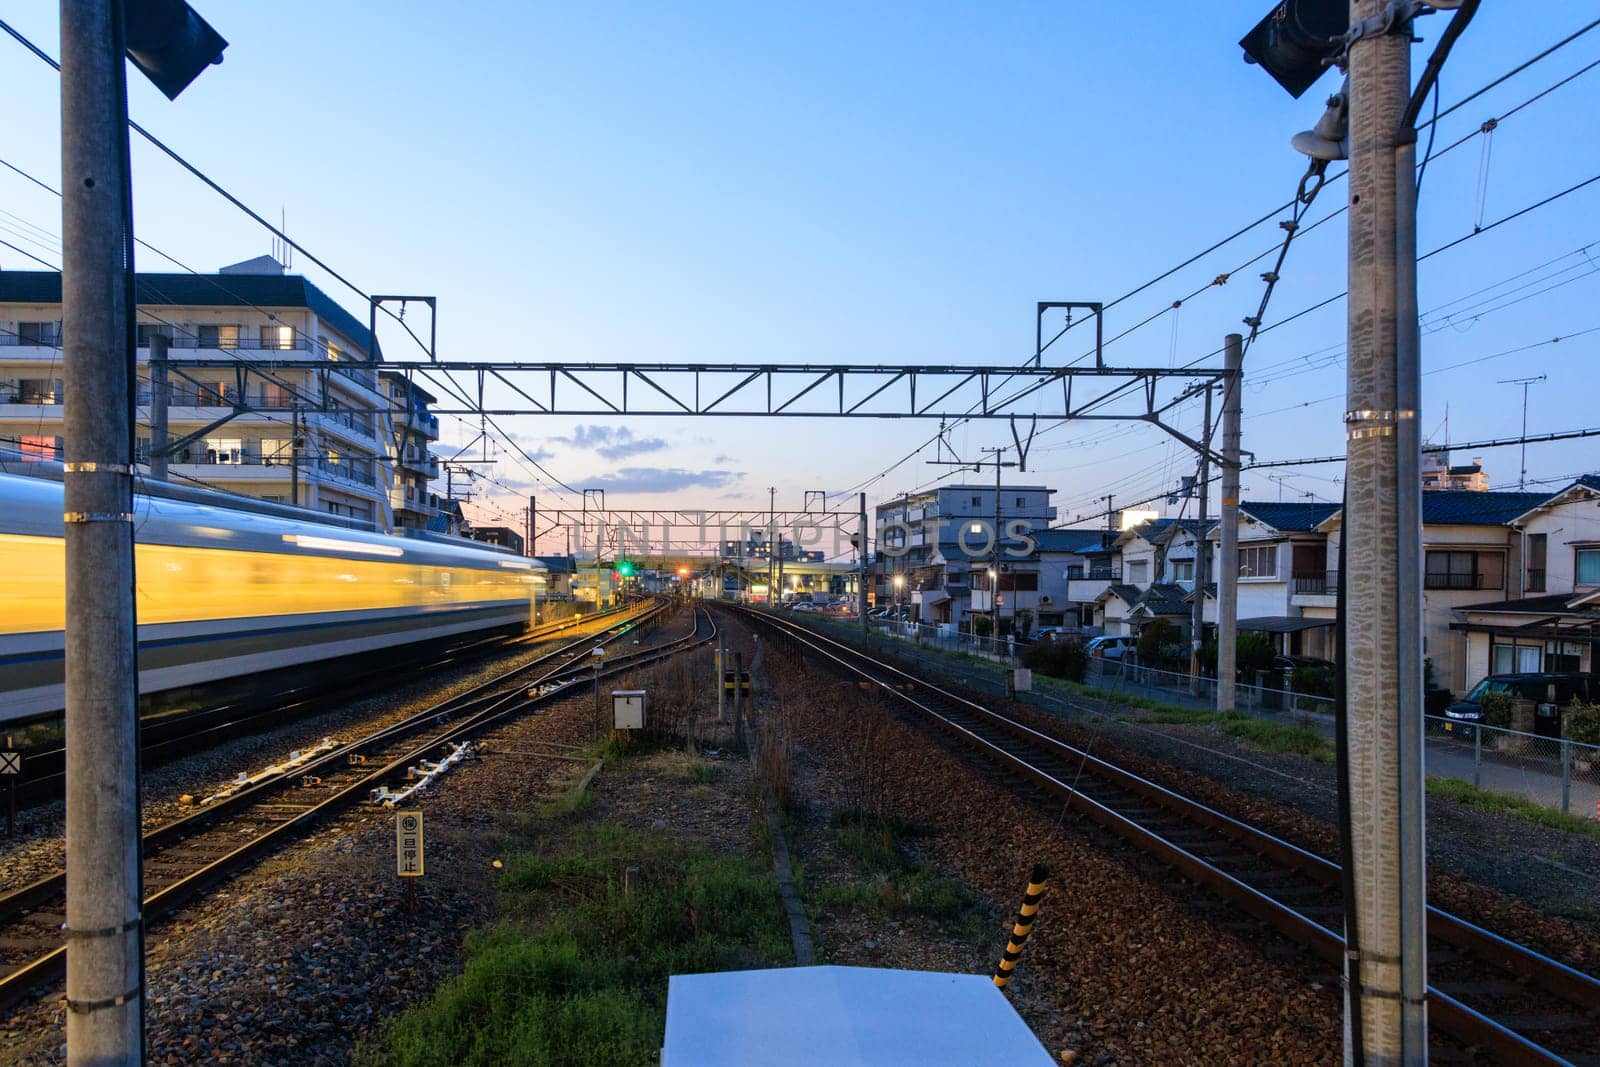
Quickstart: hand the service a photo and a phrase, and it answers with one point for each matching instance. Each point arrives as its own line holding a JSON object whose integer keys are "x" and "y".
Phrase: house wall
{"x": 1573, "y": 521}
{"x": 1440, "y": 607}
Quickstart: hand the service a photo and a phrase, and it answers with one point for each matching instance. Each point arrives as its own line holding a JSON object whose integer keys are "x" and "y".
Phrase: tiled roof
{"x": 203, "y": 290}
{"x": 1288, "y": 517}
{"x": 1164, "y": 598}
{"x": 1069, "y": 540}
{"x": 1128, "y": 594}
{"x": 1464, "y": 507}
{"x": 1550, "y": 604}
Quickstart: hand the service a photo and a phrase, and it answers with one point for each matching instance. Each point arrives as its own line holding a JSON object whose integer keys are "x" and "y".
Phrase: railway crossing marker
{"x": 408, "y": 851}
{"x": 11, "y": 767}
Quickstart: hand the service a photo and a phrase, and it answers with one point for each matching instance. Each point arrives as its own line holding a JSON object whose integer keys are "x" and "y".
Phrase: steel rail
{"x": 165, "y": 737}
{"x": 52, "y": 965}
{"x": 1580, "y": 990}
{"x": 32, "y": 895}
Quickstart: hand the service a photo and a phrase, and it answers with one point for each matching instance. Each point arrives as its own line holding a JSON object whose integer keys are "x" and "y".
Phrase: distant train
{"x": 223, "y": 593}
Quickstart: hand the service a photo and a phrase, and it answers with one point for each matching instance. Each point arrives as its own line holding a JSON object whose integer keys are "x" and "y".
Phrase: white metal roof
{"x": 843, "y": 1015}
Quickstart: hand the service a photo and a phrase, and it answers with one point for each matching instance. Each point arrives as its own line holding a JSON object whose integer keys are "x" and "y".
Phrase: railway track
{"x": 1485, "y": 991}
{"x": 186, "y": 858}
{"x": 163, "y": 738}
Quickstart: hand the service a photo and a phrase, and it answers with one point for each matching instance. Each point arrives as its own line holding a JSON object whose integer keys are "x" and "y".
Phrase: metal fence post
{"x": 1477, "y": 758}
{"x": 1566, "y": 775}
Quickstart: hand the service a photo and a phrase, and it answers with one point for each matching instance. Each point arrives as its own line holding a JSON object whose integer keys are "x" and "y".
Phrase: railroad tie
{"x": 1037, "y": 883}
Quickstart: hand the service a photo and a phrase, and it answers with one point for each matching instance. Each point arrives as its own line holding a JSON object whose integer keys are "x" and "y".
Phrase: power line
{"x": 1497, "y": 442}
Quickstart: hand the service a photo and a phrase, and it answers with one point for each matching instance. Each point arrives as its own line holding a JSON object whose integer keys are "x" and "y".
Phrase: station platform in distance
{"x": 841, "y": 1016}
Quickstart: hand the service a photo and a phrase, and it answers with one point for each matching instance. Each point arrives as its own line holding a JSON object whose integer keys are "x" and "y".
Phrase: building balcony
{"x": 1085, "y": 584}
{"x": 1314, "y": 589}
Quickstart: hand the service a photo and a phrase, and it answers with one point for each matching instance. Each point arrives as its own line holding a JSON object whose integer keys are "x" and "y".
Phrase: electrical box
{"x": 627, "y": 709}
{"x": 1021, "y": 680}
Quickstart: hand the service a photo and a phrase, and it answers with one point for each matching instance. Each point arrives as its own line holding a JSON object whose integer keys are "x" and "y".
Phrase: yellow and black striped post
{"x": 1037, "y": 884}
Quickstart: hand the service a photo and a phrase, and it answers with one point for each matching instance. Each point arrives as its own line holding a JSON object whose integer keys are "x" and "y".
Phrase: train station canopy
{"x": 842, "y": 1015}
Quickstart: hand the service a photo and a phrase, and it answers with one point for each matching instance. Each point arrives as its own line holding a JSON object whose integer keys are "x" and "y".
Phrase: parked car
{"x": 1111, "y": 646}
{"x": 805, "y": 607}
{"x": 1047, "y": 633}
{"x": 1551, "y": 689}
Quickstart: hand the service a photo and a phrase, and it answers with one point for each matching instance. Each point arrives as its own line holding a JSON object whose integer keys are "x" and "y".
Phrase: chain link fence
{"x": 1555, "y": 772}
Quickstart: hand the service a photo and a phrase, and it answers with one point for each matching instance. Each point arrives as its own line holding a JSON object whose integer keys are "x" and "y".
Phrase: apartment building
{"x": 413, "y": 429}
{"x": 314, "y": 433}
{"x": 936, "y": 549}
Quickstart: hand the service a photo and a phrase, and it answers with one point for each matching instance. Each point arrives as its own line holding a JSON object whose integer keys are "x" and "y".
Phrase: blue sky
{"x": 897, "y": 183}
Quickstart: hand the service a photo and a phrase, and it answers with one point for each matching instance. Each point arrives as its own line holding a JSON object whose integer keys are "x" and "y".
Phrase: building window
{"x": 37, "y": 446}
{"x": 1183, "y": 570}
{"x": 1258, "y": 561}
{"x": 276, "y": 450}
{"x": 39, "y": 391}
{"x": 1465, "y": 570}
{"x": 1538, "y": 549}
{"x": 1136, "y": 571}
{"x": 977, "y": 501}
{"x": 1516, "y": 658}
{"x": 39, "y": 333}
{"x": 1022, "y": 501}
{"x": 1588, "y": 566}
{"x": 224, "y": 450}
{"x": 214, "y": 336}
{"x": 279, "y": 337}
{"x": 147, "y": 330}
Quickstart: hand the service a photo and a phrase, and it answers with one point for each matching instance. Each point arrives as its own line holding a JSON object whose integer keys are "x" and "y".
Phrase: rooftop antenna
{"x": 1522, "y": 479}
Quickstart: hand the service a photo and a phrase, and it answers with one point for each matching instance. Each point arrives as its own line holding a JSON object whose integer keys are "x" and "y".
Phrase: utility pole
{"x": 1522, "y": 479}
{"x": 861, "y": 569}
{"x": 1197, "y": 622}
{"x": 294, "y": 456}
{"x": 105, "y": 996}
{"x": 1228, "y": 544}
{"x": 1382, "y": 607}
{"x": 533, "y": 527}
{"x": 158, "y": 406}
{"x": 994, "y": 586}
{"x": 1111, "y": 524}
{"x": 772, "y": 530}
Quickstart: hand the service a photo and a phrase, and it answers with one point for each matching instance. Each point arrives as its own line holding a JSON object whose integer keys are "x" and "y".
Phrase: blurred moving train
{"x": 223, "y": 593}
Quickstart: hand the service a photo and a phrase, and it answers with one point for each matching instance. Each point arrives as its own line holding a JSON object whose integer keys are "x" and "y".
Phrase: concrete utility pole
{"x": 861, "y": 569}
{"x": 105, "y": 1000}
{"x": 1228, "y": 544}
{"x": 1197, "y": 622}
{"x": 772, "y": 535}
{"x": 1382, "y": 607}
{"x": 158, "y": 406}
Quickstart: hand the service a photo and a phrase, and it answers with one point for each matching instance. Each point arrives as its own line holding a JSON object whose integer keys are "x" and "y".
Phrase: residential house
{"x": 310, "y": 432}
{"x": 1067, "y": 557}
{"x": 1286, "y": 587}
{"x": 502, "y": 536}
{"x": 1470, "y": 556}
{"x": 1549, "y": 618}
{"x": 1155, "y": 575}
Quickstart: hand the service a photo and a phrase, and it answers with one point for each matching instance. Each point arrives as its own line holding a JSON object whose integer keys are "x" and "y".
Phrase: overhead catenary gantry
{"x": 1026, "y": 393}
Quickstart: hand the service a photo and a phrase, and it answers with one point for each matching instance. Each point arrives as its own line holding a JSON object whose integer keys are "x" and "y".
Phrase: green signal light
{"x": 624, "y": 568}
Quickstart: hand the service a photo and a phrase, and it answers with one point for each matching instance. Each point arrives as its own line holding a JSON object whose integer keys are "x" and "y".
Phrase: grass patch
{"x": 1280, "y": 737}
{"x": 1469, "y": 795}
{"x": 701, "y": 772}
{"x": 895, "y": 884}
{"x": 571, "y": 799}
{"x": 579, "y": 975}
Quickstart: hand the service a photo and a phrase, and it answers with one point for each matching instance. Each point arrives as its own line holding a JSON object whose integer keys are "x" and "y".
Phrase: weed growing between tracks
{"x": 574, "y": 968}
